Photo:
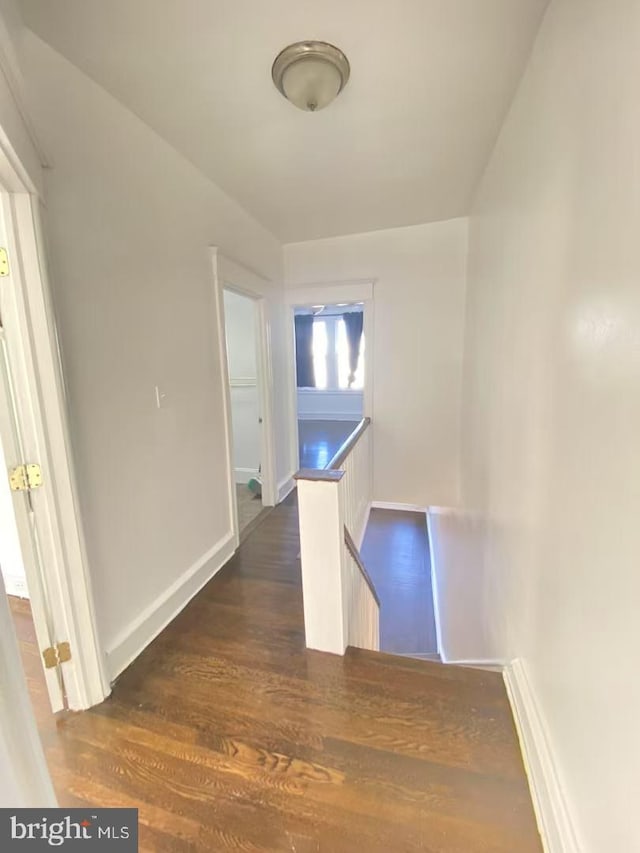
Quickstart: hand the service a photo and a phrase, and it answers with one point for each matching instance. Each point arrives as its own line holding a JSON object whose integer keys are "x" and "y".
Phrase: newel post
{"x": 320, "y": 506}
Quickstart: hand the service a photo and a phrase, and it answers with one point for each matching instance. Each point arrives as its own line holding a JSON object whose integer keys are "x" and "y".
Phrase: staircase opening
{"x": 366, "y": 569}
{"x": 395, "y": 551}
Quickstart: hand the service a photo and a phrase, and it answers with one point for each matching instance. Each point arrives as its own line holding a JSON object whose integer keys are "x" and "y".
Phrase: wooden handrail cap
{"x": 319, "y": 475}
{"x": 349, "y": 444}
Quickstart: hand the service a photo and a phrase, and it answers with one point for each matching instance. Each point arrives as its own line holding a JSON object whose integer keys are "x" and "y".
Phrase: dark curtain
{"x": 353, "y": 322}
{"x": 304, "y": 351}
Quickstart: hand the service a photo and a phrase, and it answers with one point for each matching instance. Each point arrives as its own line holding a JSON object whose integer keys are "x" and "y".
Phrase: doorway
{"x": 246, "y": 394}
{"x": 330, "y": 362}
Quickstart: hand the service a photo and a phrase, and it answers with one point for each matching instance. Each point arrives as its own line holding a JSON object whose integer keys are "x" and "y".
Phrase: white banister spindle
{"x": 358, "y": 487}
{"x": 363, "y": 607}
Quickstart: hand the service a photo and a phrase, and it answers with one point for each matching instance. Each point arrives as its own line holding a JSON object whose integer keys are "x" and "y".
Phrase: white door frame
{"x": 31, "y": 336}
{"x": 328, "y": 293}
{"x": 234, "y": 276}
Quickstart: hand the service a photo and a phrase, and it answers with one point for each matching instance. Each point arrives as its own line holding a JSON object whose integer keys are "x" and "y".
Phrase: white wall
{"x": 459, "y": 582}
{"x": 419, "y": 289}
{"x": 316, "y": 404}
{"x": 551, "y": 402}
{"x": 129, "y": 226}
{"x": 240, "y": 326}
{"x": 15, "y": 126}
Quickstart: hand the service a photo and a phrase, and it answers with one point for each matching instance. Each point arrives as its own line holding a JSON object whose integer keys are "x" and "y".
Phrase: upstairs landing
{"x": 228, "y": 734}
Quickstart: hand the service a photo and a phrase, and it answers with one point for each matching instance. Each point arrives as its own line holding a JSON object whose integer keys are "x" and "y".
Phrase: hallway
{"x": 228, "y": 734}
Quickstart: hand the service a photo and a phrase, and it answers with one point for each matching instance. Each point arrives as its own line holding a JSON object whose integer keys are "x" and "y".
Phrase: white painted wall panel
{"x": 552, "y": 405}
{"x": 320, "y": 405}
{"x": 458, "y": 584}
{"x": 419, "y": 293}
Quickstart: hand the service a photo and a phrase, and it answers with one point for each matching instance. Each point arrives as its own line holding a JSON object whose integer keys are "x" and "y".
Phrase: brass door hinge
{"x": 25, "y": 477}
{"x": 4, "y": 263}
{"x": 60, "y": 653}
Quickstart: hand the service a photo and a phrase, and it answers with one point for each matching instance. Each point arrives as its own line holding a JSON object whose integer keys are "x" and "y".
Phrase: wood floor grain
{"x": 396, "y": 553}
{"x": 228, "y": 734}
{"x": 251, "y": 512}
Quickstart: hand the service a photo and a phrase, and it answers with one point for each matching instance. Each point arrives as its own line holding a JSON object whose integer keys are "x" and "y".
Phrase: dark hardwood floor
{"x": 251, "y": 512}
{"x": 396, "y": 553}
{"x": 319, "y": 441}
{"x": 228, "y": 734}
{"x": 21, "y": 613}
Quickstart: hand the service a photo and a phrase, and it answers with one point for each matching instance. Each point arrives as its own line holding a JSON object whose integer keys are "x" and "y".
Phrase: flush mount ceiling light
{"x": 310, "y": 74}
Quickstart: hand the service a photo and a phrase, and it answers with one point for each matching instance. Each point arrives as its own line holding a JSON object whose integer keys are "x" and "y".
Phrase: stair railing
{"x": 363, "y": 601}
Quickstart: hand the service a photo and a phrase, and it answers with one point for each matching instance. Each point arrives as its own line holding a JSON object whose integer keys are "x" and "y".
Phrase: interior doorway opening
{"x": 242, "y": 334}
{"x": 330, "y": 357}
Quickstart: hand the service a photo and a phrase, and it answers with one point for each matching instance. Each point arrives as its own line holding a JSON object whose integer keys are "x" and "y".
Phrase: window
{"x": 320, "y": 350}
{"x": 342, "y": 358}
{"x": 331, "y": 356}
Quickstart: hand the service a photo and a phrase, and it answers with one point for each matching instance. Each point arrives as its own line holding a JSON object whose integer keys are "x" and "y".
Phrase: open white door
{"x": 33, "y": 429}
{"x": 19, "y": 522}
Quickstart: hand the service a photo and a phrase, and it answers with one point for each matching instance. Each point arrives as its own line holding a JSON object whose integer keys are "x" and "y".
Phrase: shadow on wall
{"x": 462, "y": 587}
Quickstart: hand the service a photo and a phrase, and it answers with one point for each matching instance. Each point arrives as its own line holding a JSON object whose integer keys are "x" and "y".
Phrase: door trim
{"x": 234, "y": 276}
{"x": 328, "y": 293}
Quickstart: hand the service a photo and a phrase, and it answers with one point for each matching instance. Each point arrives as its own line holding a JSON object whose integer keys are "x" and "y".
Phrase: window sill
{"x": 314, "y": 391}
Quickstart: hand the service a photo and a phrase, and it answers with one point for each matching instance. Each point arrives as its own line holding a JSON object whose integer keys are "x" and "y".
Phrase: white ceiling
{"x": 405, "y": 143}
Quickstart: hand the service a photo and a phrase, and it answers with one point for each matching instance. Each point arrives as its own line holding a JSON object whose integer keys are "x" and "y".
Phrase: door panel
{"x": 24, "y": 524}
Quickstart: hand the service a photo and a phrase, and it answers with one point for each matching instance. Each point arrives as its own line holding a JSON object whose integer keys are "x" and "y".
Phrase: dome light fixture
{"x": 310, "y": 74}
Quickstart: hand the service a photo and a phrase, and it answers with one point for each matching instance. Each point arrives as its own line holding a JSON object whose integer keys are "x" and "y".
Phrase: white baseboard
{"x": 154, "y": 618}
{"x": 243, "y": 475}
{"x": 549, "y": 800}
{"x": 398, "y": 506}
{"x": 286, "y": 486}
{"x": 16, "y": 585}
